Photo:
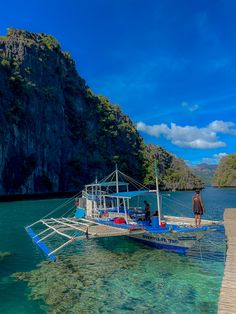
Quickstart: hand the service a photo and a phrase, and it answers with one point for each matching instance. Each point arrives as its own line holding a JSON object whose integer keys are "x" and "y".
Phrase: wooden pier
{"x": 227, "y": 301}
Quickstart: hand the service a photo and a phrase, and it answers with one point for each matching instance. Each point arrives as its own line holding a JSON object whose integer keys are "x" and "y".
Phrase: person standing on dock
{"x": 198, "y": 208}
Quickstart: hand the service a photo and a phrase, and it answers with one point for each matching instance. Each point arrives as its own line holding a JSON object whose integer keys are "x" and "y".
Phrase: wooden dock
{"x": 227, "y": 301}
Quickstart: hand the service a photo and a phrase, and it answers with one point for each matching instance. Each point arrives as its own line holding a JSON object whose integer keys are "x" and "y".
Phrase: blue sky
{"x": 170, "y": 65}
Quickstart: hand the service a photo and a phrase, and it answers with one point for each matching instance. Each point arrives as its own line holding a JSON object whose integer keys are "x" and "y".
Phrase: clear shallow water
{"x": 113, "y": 275}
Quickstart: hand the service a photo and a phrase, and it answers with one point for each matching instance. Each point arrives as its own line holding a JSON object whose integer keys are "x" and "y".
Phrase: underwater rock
{"x": 4, "y": 254}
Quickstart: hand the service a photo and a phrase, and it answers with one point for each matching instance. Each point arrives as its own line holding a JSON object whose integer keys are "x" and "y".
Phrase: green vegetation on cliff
{"x": 56, "y": 135}
{"x": 173, "y": 172}
{"x": 225, "y": 174}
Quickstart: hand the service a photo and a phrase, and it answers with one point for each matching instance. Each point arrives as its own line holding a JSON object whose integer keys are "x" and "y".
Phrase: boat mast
{"x": 117, "y": 188}
{"x": 117, "y": 183}
{"x": 157, "y": 193}
{"x": 96, "y": 194}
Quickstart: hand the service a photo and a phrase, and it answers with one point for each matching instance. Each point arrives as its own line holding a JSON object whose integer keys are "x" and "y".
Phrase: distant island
{"x": 56, "y": 135}
{"x": 205, "y": 172}
{"x": 220, "y": 175}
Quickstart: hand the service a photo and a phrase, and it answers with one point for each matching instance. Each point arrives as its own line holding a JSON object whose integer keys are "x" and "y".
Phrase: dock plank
{"x": 227, "y": 300}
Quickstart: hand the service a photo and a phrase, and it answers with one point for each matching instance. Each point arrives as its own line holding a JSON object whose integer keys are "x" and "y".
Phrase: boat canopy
{"x": 129, "y": 194}
{"x": 108, "y": 183}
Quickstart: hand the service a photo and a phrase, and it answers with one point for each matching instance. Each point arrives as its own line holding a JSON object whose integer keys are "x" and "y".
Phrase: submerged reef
{"x": 120, "y": 276}
{"x": 72, "y": 284}
{"x": 3, "y": 255}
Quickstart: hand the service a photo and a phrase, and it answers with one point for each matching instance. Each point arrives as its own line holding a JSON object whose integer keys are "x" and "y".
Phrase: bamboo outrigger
{"x": 62, "y": 227}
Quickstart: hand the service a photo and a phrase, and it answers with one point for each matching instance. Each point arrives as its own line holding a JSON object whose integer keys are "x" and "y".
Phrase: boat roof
{"x": 106, "y": 183}
{"x": 130, "y": 194}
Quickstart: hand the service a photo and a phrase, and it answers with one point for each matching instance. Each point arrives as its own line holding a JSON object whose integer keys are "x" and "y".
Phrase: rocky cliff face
{"x": 55, "y": 134}
{"x": 225, "y": 174}
{"x": 173, "y": 173}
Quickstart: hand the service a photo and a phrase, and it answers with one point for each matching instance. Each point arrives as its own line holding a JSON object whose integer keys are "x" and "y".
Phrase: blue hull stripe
{"x": 41, "y": 244}
{"x": 177, "y": 249}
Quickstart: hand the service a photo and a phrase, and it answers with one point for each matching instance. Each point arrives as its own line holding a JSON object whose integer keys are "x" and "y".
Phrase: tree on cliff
{"x": 173, "y": 172}
{"x": 225, "y": 174}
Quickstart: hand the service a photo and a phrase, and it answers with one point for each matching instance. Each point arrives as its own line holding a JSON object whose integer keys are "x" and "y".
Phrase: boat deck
{"x": 227, "y": 301}
{"x": 190, "y": 221}
{"x": 182, "y": 227}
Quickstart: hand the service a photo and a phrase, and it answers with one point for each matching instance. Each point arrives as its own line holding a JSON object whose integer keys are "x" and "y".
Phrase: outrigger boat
{"x": 106, "y": 209}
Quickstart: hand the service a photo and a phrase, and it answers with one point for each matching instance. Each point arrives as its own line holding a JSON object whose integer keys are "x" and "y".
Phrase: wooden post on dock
{"x": 227, "y": 301}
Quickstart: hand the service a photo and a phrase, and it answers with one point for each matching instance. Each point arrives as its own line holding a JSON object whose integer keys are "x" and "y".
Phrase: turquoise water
{"x": 112, "y": 275}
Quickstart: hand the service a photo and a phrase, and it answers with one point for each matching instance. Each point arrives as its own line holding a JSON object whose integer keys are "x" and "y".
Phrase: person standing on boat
{"x": 147, "y": 211}
{"x": 198, "y": 208}
{"x": 76, "y": 202}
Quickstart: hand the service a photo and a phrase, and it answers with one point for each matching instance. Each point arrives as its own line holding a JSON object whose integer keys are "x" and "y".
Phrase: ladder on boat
{"x": 74, "y": 229}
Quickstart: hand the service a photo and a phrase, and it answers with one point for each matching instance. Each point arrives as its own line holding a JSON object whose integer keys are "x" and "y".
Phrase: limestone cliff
{"x": 55, "y": 134}
{"x": 173, "y": 173}
{"x": 225, "y": 174}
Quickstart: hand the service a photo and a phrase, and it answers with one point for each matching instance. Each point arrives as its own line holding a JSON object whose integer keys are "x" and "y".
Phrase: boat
{"x": 106, "y": 208}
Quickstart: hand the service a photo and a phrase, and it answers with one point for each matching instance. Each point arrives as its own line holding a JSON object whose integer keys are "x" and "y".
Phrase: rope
{"x": 61, "y": 206}
{"x": 133, "y": 181}
{"x": 177, "y": 202}
{"x": 111, "y": 175}
{"x": 70, "y": 209}
{"x": 68, "y": 201}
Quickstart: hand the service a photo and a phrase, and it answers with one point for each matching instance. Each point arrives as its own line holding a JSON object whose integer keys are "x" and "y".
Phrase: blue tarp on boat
{"x": 130, "y": 194}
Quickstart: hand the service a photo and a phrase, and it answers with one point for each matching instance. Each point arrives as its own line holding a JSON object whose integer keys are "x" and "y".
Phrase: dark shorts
{"x": 198, "y": 212}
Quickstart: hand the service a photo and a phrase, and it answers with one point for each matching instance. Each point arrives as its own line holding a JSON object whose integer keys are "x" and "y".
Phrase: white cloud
{"x": 193, "y": 108}
{"x": 154, "y": 130}
{"x": 219, "y": 156}
{"x": 190, "y": 107}
{"x": 191, "y": 136}
{"x": 209, "y": 160}
{"x": 214, "y": 159}
{"x": 222, "y": 127}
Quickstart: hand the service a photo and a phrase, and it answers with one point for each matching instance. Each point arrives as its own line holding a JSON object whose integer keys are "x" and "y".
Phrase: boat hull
{"x": 178, "y": 242}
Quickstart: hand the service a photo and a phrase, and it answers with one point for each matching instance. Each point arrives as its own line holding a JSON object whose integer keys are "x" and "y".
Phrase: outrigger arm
{"x": 89, "y": 229}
